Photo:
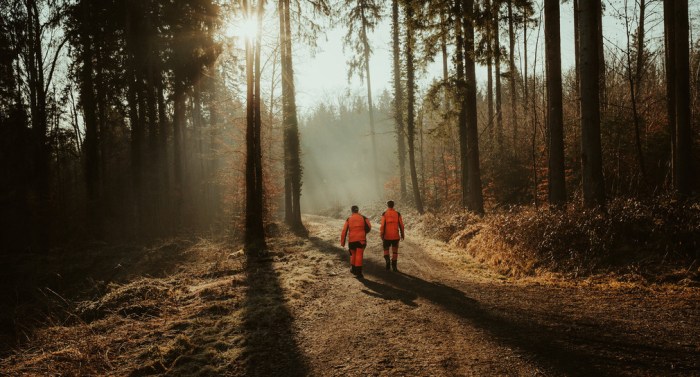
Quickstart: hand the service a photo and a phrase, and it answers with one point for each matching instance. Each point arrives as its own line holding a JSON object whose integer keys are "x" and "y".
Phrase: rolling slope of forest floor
{"x": 205, "y": 308}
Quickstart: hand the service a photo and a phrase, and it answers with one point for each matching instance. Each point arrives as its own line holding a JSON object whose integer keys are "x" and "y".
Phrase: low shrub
{"x": 654, "y": 239}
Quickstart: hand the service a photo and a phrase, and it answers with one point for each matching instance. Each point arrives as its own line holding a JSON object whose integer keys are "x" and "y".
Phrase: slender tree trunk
{"x": 178, "y": 125}
{"x": 398, "y": 97}
{"x": 591, "y": 158}
{"x": 489, "y": 75}
{"x": 497, "y": 57}
{"x": 370, "y": 105}
{"x": 601, "y": 58}
{"x": 410, "y": 82}
{"x": 254, "y": 230}
{"x": 526, "y": 89}
{"x": 475, "y": 201}
{"x": 257, "y": 135}
{"x": 634, "y": 82}
{"x": 683, "y": 164}
{"x": 293, "y": 127}
{"x": 513, "y": 76}
{"x": 87, "y": 95}
{"x": 555, "y": 117}
{"x": 443, "y": 49}
{"x": 462, "y": 95}
{"x": 134, "y": 98}
{"x": 162, "y": 139}
{"x": 42, "y": 153}
{"x": 286, "y": 120}
{"x": 670, "y": 60}
{"x": 577, "y": 57}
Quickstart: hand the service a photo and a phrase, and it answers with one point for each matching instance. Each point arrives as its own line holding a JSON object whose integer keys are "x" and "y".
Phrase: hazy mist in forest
{"x": 337, "y": 153}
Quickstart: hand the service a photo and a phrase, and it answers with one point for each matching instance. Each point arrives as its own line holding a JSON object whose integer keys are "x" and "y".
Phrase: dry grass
{"x": 632, "y": 241}
{"x": 178, "y": 307}
{"x": 181, "y": 323}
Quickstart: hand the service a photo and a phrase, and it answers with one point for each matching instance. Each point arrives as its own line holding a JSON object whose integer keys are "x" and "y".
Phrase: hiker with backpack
{"x": 355, "y": 231}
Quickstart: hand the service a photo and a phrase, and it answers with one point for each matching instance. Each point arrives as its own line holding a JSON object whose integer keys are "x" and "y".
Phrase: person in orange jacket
{"x": 355, "y": 231}
{"x": 391, "y": 229}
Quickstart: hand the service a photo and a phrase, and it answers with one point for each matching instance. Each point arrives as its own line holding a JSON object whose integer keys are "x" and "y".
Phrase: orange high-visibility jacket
{"x": 391, "y": 225}
{"x": 355, "y": 226}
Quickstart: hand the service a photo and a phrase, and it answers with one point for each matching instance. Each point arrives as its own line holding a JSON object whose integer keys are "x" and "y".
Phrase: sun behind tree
{"x": 246, "y": 28}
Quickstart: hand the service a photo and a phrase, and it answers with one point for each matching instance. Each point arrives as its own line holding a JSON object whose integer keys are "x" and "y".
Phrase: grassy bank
{"x": 655, "y": 241}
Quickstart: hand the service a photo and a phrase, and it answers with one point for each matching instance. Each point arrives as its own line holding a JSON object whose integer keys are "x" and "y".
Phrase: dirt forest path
{"x": 443, "y": 314}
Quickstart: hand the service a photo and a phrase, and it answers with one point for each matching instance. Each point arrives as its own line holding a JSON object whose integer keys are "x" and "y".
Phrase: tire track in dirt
{"x": 433, "y": 319}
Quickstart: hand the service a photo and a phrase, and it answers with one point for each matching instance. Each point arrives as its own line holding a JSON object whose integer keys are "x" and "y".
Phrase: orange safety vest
{"x": 355, "y": 225}
{"x": 391, "y": 225}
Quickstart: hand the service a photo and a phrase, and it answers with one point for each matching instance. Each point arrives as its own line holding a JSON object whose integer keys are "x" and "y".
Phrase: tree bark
{"x": 293, "y": 168}
{"x": 91, "y": 147}
{"x": 591, "y": 159}
{"x": 42, "y": 153}
{"x": 513, "y": 76}
{"x": 634, "y": 80}
{"x": 555, "y": 117}
{"x": 462, "y": 95}
{"x": 398, "y": 97}
{"x": 489, "y": 75}
{"x": 254, "y": 231}
{"x": 497, "y": 57}
{"x": 683, "y": 165}
{"x": 410, "y": 82}
{"x": 670, "y": 60}
{"x": 475, "y": 201}
{"x": 370, "y": 104}
{"x": 601, "y": 58}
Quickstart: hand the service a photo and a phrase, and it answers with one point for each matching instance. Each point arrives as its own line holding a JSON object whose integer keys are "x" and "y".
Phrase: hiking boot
{"x": 353, "y": 270}
{"x": 393, "y": 266}
{"x": 359, "y": 273}
{"x": 386, "y": 258}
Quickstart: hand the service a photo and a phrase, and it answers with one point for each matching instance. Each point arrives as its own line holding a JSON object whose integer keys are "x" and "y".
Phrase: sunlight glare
{"x": 245, "y": 29}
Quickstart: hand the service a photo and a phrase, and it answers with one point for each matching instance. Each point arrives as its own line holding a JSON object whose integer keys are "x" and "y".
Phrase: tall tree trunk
{"x": 513, "y": 76}
{"x": 601, "y": 59}
{"x": 134, "y": 98}
{"x": 443, "y": 50}
{"x": 410, "y": 82}
{"x": 683, "y": 165}
{"x": 257, "y": 156}
{"x": 497, "y": 57}
{"x": 254, "y": 230}
{"x": 42, "y": 153}
{"x": 526, "y": 89}
{"x": 293, "y": 169}
{"x": 591, "y": 158}
{"x": 462, "y": 95}
{"x": 164, "y": 199}
{"x": 555, "y": 117}
{"x": 370, "y": 104}
{"x": 475, "y": 201}
{"x": 87, "y": 95}
{"x": 670, "y": 60}
{"x": 577, "y": 56}
{"x": 398, "y": 97}
{"x": 178, "y": 125}
{"x": 634, "y": 79}
{"x": 489, "y": 75}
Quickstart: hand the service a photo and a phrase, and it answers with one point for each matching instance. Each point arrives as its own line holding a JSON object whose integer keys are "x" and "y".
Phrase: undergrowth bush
{"x": 654, "y": 239}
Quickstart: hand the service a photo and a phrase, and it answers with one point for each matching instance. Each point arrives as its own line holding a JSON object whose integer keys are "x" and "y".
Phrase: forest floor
{"x": 203, "y": 308}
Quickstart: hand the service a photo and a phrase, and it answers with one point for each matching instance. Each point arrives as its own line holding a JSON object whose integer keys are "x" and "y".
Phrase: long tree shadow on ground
{"x": 270, "y": 345}
{"x": 600, "y": 350}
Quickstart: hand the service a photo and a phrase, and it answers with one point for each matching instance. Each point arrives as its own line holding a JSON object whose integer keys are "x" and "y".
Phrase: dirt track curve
{"x": 444, "y": 315}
